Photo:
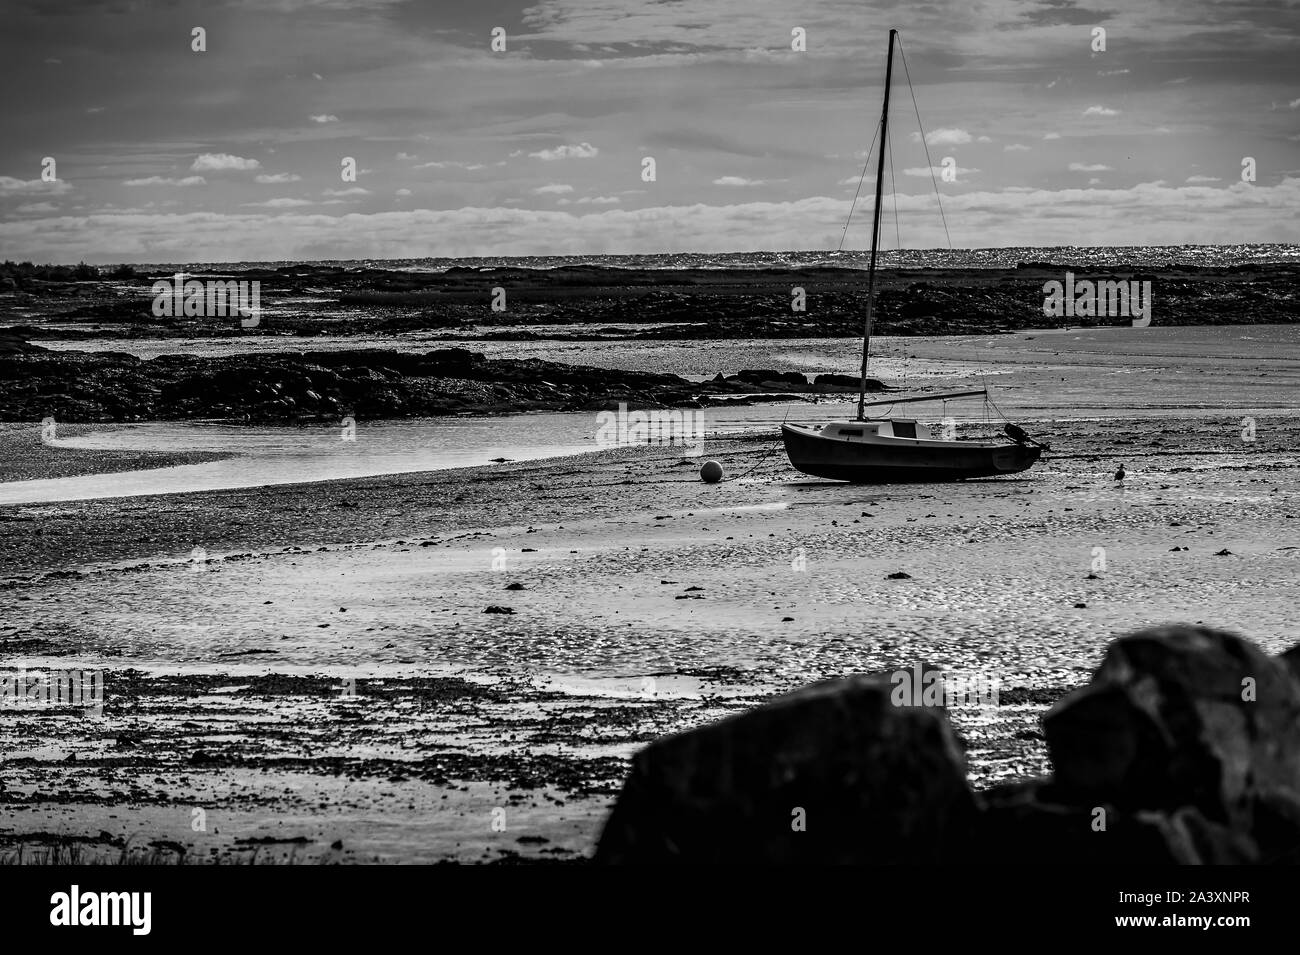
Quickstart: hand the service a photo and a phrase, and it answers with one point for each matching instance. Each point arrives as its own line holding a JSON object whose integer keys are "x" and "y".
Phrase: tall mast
{"x": 875, "y": 225}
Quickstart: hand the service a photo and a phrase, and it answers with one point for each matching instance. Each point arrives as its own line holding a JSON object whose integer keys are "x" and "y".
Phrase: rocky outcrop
{"x": 1185, "y": 719}
{"x": 293, "y": 386}
{"x": 834, "y": 773}
{"x": 11, "y": 343}
{"x": 598, "y": 302}
{"x": 1184, "y": 748}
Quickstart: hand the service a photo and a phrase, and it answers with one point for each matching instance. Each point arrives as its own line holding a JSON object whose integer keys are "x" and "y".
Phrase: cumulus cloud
{"x": 221, "y": 162}
{"x": 1015, "y": 148}
{"x": 1195, "y": 179}
{"x": 599, "y": 201}
{"x": 31, "y": 187}
{"x": 1052, "y": 136}
{"x": 944, "y": 137}
{"x": 350, "y": 191}
{"x": 553, "y": 189}
{"x": 1154, "y": 215}
{"x": 403, "y": 192}
{"x": 271, "y": 179}
{"x": 450, "y": 164}
{"x": 1088, "y": 167}
{"x": 279, "y": 203}
{"x": 737, "y": 181}
{"x": 324, "y": 118}
{"x": 37, "y": 208}
{"x": 936, "y": 171}
{"x": 167, "y": 181}
{"x": 580, "y": 151}
{"x": 1100, "y": 111}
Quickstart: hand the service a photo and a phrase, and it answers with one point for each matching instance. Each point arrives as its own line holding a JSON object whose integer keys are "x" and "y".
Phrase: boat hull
{"x": 901, "y": 461}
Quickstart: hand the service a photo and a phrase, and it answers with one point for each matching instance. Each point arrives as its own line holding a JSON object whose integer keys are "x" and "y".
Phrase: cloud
{"x": 1100, "y": 111}
{"x": 1294, "y": 104}
{"x": 405, "y": 157}
{"x": 1112, "y": 72}
{"x": 34, "y": 208}
{"x": 1203, "y": 179}
{"x": 1015, "y": 148}
{"x": 944, "y": 137}
{"x": 276, "y": 178}
{"x": 450, "y": 164}
{"x": 165, "y": 181}
{"x": 403, "y": 192}
{"x": 580, "y": 151}
{"x": 31, "y": 187}
{"x": 350, "y": 191}
{"x": 324, "y": 118}
{"x": 1153, "y": 215}
{"x": 279, "y": 203}
{"x": 737, "y": 181}
{"x": 1089, "y": 167}
{"x": 854, "y": 180}
{"x": 936, "y": 171}
{"x": 553, "y": 189}
{"x": 1052, "y": 136}
{"x": 599, "y": 201}
{"x": 221, "y": 162}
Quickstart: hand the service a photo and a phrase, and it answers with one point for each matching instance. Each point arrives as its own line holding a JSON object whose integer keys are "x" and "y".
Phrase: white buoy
{"x": 711, "y": 473}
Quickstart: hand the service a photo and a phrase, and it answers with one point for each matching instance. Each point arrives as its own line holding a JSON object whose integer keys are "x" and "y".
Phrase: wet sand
{"x": 327, "y": 684}
{"x": 309, "y": 672}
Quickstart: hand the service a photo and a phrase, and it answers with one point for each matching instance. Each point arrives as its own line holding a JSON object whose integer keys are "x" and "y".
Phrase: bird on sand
{"x": 1119, "y": 475}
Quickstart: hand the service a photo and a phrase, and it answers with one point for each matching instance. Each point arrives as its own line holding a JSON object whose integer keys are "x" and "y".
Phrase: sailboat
{"x": 889, "y": 449}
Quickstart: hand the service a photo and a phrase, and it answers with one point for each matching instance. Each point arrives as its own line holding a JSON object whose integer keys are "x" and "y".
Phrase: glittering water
{"x": 1008, "y": 257}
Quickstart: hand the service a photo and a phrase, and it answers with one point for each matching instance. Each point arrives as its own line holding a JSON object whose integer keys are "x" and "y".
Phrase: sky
{"x": 1180, "y": 124}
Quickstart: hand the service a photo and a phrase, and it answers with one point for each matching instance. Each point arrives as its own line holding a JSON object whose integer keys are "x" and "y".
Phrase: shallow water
{"x": 1232, "y": 373}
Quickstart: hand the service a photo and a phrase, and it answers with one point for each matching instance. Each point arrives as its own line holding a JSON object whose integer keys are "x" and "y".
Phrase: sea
{"x": 1096, "y": 257}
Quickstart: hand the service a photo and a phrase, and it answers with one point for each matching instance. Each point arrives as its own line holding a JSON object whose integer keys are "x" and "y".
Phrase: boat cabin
{"x": 881, "y": 428}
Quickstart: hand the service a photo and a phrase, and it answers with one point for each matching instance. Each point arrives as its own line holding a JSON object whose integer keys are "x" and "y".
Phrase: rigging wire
{"x": 866, "y": 164}
{"x": 929, "y": 164}
{"x": 893, "y": 193}
{"x": 939, "y": 198}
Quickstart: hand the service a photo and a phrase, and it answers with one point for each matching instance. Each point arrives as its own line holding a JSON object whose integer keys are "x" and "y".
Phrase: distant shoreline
{"x": 603, "y": 302}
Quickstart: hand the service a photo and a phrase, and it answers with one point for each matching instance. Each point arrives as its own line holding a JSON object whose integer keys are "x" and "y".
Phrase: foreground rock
{"x": 1184, "y": 748}
{"x": 1185, "y": 717}
{"x": 831, "y": 774}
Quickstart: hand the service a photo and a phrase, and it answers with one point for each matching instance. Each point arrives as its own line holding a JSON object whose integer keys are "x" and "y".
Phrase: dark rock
{"x": 12, "y": 344}
{"x": 848, "y": 382}
{"x": 1291, "y": 658}
{"x": 1182, "y": 716}
{"x": 873, "y": 783}
{"x": 1025, "y": 824}
{"x": 495, "y": 609}
{"x": 760, "y": 376}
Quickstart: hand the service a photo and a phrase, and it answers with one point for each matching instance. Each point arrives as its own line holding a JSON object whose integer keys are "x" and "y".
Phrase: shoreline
{"x": 538, "y": 711}
{"x": 628, "y": 304}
